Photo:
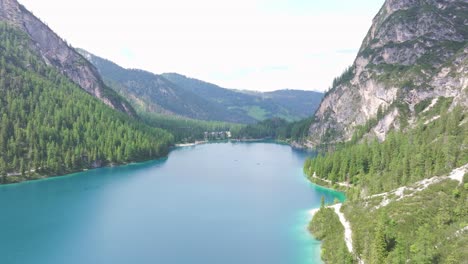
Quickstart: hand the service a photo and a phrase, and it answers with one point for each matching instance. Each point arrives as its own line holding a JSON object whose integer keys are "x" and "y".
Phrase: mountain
{"x": 413, "y": 58}
{"x": 394, "y": 132}
{"x": 175, "y": 94}
{"x": 153, "y": 93}
{"x": 288, "y": 104}
{"x": 299, "y": 103}
{"x": 55, "y": 52}
{"x": 49, "y": 124}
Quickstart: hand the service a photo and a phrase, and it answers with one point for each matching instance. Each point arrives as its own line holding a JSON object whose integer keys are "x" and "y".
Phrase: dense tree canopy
{"x": 185, "y": 129}
{"x": 48, "y": 125}
{"x": 427, "y": 225}
{"x": 404, "y": 157}
{"x": 276, "y": 128}
{"x": 326, "y": 226}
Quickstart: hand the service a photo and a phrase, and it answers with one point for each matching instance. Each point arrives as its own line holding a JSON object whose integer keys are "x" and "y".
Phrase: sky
{"x": 261, "y": 45}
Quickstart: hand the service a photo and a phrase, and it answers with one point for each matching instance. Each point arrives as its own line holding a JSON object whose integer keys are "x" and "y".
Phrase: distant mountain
{"x": 287, "y": 104}
{"x": 175, "y": 94}
{"x": 300, "y": 103}
{"x": 57, "y": 53}
{"x": 153, "y": 93}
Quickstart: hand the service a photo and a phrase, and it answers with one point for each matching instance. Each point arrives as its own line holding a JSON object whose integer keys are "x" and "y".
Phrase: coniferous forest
{"x": 398, "y": 230}
{"x": 391, "y": 132}
{"x": 187, "y": 130}
{"x": 276, "y": 128}
{"x": 403, "y": 158}
{"x": 50, "y": 126}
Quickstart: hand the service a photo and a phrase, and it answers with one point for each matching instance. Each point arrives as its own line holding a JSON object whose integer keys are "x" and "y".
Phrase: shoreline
{"x": 292, "y": 144}
{"x": 72, "y": 174}
{"x": 39, "y": 177}
{"x": 341, "y": 184}
{"x": 312, "y": 212}
{"x": 180, "y": 145}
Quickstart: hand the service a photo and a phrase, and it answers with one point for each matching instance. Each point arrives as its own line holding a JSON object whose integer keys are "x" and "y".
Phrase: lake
{"x": 242, "y": 203}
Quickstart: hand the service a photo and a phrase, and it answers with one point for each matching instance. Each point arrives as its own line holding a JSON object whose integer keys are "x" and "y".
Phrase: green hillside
{"x": 177, "y": 95}
{"x": 394, "y": 134}
{"x": 50, "y": 126}
{"x": 291, "y": 105}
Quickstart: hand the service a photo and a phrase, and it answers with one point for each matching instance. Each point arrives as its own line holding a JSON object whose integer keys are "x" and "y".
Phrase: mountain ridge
{"x": 176, "y": 94}
{"x": 154, "y": 93}
{"x": 56, "y": 52}
{"x": 304, "y": 102}
{"x": 51, "y": 126}
{"x": 414, "y": 51}
{"x": 394, "y": 133}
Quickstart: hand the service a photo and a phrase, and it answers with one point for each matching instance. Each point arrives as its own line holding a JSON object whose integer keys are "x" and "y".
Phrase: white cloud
{"x": 242, "y": 44}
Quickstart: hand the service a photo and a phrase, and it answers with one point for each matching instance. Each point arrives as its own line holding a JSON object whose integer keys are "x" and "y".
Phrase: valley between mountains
{"x": 391, "y": 132}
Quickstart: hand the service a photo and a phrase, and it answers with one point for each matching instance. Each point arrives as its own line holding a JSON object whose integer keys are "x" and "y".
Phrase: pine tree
{"x": 3, "y": 170}
{"x": 379, "y": 245}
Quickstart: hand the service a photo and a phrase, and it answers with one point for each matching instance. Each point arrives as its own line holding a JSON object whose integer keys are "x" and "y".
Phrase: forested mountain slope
{"x": 50, "y": 126}
{"x": 153, "y": 93}
{"x": 55, "y": 52}
{"x": 401, "y": 207}
{"x": 286, "y": 104}
{"x": 175, "y": 94}
{"x": 396, "y": 124}
{"x": 415, "y": 53}
{"x": 299, "y": 103}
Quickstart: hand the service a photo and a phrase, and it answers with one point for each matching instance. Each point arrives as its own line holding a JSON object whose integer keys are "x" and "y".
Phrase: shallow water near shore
{"x": 213, "y": 203}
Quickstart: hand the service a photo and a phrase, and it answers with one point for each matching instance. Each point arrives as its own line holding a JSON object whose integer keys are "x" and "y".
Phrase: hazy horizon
{"x": 247, "y": 45}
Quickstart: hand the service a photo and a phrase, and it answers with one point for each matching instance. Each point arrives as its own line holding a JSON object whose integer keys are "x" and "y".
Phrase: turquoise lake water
{"x": 242, "y": 203}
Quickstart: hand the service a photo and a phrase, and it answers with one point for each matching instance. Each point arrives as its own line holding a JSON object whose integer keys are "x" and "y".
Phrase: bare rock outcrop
{"x": 416, "y": 50}
{"x": 57, "y": 53}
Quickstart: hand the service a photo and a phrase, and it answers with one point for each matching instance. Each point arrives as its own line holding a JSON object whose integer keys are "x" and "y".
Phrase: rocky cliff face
{"x": 414, "y": 54}
{"x": 56, "y": 52}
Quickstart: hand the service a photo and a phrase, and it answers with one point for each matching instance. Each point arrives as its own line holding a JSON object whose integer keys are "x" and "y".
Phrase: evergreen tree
{"x": 49, "y": 125}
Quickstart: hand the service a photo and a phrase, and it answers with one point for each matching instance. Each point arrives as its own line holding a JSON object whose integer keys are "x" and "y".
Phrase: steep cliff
{"x": 414, "y": 57}
{"x": 57, "y": 53}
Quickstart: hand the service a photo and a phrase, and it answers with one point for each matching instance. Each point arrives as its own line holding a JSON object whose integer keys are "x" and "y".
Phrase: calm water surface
{"x": 242, "y": 203}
